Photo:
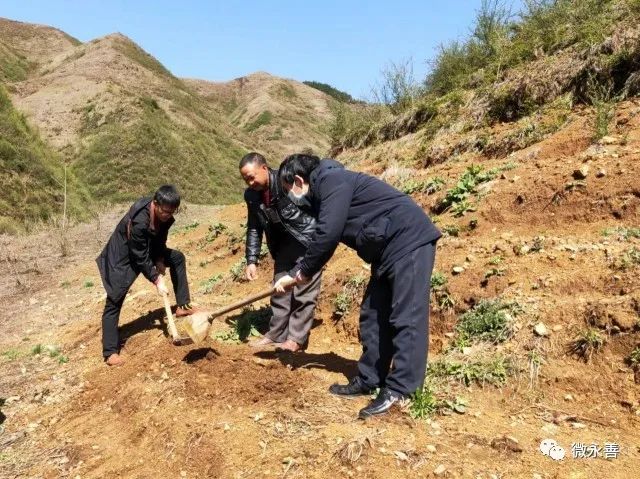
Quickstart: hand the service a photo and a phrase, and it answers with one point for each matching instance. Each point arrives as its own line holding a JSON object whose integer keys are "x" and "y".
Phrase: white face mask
{"x": 301, "y": 200}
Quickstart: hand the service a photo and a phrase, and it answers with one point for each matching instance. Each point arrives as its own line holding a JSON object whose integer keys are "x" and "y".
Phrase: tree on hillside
{"x": 331, "y": 91}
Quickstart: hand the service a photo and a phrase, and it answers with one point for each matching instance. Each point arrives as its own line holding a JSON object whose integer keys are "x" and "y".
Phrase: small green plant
{"x": 622, "y": 233}
{"x": 11, "y": 354}
{"x": 600, "y": 96}
{"x": 213, "y": 232}
{"x": 52, "y": 350}
{"x": 462, "y": 207}
{"x": 451, "y": 230}
{"x": 438, "y": 280}
{"x": 37, "y": 349}
{"x": 587, "y": 343}
{"x": 495, "y": 260}
{"x": 188, "y": 227}
{"x": 247, "y": 324}
{"x": 627, "y": 260}
{"x": 423, "y": 403}
{"x": 456, "y": 199}
{"x": 62, "y": 359}
{"x": 65, "y": 284}
{"x": 344, "y": 299}
{"x": 634, "y": 357}
{"x": 88, "y": 284}
{"x": 493, "y": 272}
{"x": 207, "y": 286}
{"x": 237, "y": 270}
{"x": 489, "y": 320}
{"x": 493, "y": 371}
{"x": 429, "y": 186}
{"x": 457, "y": 404}
{"x": 440, "y": 291}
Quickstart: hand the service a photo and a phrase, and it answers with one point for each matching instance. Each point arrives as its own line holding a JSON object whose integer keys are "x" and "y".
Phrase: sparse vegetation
{"x": 622, "y": 233}
{"x": 206, "y": 287}
{"x": 600, "y": 95}
{"x": 344, "y": 299}
{"x": 489, "y": 320}
{"x": 457, "y": 198}
{"x": 31, "y": 175}
{"x": 440, "y": 291}
{"x": 627, "y": 260}
{"x": 11, "y": 354}
{"x": 132, "y": 149}
{"x": 429, "y": 186}
{"x": 263, "y": 119}
{"x": 451, "y": 230}
{"x": 238, "y": 269}
{"x": 634, "y": 357}
{"x": 185, "y": 228}
{"x": 587, "y": 343}
{"x": 248, "y": 323}
{"x": 492, "y": 371}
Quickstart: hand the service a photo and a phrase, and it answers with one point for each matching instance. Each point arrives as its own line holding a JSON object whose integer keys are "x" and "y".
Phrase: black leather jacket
{"x": 282, "y": 220}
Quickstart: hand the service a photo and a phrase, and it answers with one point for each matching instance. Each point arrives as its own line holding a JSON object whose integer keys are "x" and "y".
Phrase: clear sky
{"x": 343, "y": 43}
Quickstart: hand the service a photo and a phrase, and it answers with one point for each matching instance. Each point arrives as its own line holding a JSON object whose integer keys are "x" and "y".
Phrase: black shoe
{"x": 380, "y": 405}
{"x": 353, "y": 389}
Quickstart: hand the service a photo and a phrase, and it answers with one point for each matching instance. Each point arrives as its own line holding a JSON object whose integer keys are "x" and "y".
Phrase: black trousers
{"x": 177, "y": 265}
{"x": 394, "y": 323}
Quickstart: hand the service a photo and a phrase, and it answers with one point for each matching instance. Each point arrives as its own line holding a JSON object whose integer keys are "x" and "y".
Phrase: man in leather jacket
{"x": 288, "y": 230}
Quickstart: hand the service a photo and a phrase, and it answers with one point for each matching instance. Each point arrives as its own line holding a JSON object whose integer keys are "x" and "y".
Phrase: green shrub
{"x": 263, "y": 119}
{"x": 492, "y": 371}
{"x": 489, "y": 320}
{"x": 344, "y": 300}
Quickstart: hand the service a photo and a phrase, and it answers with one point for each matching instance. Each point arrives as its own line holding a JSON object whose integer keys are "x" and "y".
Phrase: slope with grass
{"x": 32, "y": 177}
{"x": 126, "y": 124}
{"x": 280, "y": 116}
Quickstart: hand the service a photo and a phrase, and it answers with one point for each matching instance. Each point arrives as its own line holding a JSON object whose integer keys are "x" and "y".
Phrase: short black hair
{"x": 298, "y": 164}
{"x": 252, "y": 157}
{"x": 167, "y": 195}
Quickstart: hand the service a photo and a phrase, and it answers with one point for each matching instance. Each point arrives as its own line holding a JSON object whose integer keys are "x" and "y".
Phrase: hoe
{"x": 197, "y": 325}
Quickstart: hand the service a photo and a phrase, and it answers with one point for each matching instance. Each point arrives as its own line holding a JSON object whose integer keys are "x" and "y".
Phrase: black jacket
{"x": 133, "y": 248}
{"x": 280, "y": 221}
{"x": 379, "y": 222}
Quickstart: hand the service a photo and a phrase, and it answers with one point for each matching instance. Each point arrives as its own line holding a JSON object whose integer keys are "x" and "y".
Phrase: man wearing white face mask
{"x": 392, "y": 233}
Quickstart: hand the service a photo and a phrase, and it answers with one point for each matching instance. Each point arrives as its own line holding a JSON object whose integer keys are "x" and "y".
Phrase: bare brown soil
{"x": 223, "y": 410}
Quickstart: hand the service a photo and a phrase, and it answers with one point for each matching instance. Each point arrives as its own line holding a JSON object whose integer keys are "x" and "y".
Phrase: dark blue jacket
{"x": 379, "y": 222}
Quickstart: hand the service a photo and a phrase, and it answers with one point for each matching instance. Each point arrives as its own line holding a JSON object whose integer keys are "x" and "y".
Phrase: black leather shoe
{"x": 353, "y": 389}
{"x": 380, "y": 405}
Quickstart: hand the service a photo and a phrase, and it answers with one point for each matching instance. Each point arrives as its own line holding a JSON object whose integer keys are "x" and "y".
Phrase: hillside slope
{"x": 279, "y": 116}
{"x": 125, "y": 124}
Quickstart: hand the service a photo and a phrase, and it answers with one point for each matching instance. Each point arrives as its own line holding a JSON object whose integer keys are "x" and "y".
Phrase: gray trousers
{"x": 293, "y": 311}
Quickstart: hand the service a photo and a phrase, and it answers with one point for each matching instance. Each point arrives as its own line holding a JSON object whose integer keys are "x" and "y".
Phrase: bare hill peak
{"x": 37, "y": 43}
